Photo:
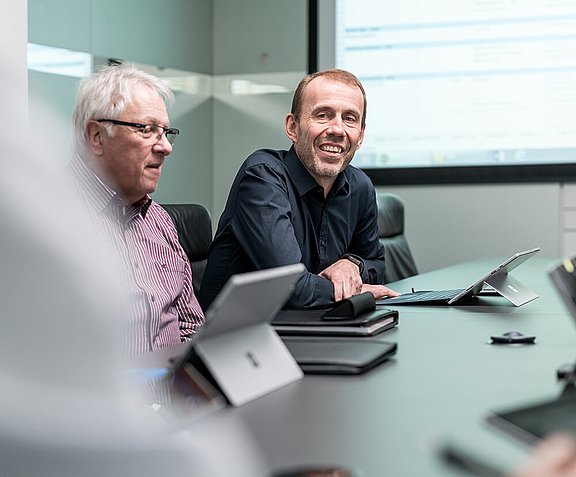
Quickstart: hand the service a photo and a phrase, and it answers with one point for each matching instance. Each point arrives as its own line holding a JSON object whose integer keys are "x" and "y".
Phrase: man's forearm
{"x": 310, "y": 291}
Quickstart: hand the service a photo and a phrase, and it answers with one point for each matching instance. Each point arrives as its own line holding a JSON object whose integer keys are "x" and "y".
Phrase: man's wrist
{"x": 356, "y": 261}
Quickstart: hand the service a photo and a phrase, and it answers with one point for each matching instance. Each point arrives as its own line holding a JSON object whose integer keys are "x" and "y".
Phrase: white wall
{"x": 243, "y": 124}
{"x": 176, "y": 34}
{"x": 446, "y": 225}
{"x": 244, "y": 31}
{"x": 264, "y": 40}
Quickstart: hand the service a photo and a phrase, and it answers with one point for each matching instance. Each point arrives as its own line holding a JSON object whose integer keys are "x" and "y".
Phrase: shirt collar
{"x": 143, "y": 205}
{"x": 305, "y": 182}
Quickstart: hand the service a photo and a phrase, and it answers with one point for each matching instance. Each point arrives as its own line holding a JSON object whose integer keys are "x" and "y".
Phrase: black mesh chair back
{"x": 194, "y": 226}
{"x": 399, "y": 259}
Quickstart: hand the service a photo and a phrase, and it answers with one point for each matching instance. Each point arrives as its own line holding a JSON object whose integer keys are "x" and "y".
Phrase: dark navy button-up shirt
{"x": 277, "y": 215}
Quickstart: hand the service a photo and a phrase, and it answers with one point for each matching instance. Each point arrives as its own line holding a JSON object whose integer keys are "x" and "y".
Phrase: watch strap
{"x": 355, "y": 260}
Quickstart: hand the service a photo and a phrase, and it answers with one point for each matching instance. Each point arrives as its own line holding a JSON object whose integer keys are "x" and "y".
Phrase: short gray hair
{"x": 105, "y": 94}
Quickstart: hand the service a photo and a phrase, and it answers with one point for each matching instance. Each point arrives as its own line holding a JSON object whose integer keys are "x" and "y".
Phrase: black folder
{"x": 320, "y": 355}
{"x": 356, "y": 316}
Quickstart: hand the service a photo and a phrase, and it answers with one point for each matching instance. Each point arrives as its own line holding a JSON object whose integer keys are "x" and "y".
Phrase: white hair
{"x": 105, "y": 94}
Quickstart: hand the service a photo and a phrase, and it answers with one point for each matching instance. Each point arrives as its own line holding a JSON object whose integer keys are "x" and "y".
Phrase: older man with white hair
{"x": 122, "y": 136}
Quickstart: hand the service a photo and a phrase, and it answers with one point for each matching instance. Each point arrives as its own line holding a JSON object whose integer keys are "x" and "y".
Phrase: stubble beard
{"x": 316, "y": 166}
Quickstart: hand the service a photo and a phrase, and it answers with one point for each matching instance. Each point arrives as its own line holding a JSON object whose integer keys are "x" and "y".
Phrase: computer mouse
{"x": 512, "y": 337}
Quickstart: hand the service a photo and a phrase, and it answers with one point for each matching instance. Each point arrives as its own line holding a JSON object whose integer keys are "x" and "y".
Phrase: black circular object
{"x": 512, "y": 337}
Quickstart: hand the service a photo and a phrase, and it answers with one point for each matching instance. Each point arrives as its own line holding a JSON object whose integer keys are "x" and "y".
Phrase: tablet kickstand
{"x": 511, "y": 289}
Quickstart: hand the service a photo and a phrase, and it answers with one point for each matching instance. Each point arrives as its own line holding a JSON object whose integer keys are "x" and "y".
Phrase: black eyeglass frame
{"x": 172, "y": 131}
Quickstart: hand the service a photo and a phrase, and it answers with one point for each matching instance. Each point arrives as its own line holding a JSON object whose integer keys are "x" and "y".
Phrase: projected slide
{"x": 462, "y": 82}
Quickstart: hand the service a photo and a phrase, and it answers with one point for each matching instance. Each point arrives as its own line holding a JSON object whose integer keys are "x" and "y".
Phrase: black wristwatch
{"x": 356, "y": 261}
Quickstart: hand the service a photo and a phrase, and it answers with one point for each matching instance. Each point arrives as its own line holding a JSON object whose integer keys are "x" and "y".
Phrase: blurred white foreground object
{"x": 64, "y": 409}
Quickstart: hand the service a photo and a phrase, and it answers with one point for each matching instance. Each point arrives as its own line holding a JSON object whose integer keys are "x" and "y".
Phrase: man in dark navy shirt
{"x": 306, "y": 204}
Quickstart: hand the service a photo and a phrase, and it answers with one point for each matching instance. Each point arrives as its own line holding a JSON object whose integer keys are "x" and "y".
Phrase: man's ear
{"x": 94, "y": 138}
{"x": 361, "y": 138}
{"x": 291, "y": 126}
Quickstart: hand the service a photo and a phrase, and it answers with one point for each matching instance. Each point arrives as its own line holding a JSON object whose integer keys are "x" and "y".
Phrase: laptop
{"x": 532, "y": 422}
{"x": 237, "y": 345}
{"x": 498, "y": 278}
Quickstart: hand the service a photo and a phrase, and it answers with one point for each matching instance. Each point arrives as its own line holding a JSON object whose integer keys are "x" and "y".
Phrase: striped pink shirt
{"x": 151, "y": 264}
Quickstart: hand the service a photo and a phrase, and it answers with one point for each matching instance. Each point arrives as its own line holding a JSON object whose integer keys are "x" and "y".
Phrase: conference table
{"x": 439, "y": 388}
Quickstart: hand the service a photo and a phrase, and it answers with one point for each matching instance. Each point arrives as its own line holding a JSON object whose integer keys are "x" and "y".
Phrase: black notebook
{"x": 336, "y": 355}
{"x": 355, "y": 316}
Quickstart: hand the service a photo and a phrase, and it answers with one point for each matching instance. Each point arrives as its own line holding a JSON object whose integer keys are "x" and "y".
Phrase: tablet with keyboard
{"x": 497, "y": 278}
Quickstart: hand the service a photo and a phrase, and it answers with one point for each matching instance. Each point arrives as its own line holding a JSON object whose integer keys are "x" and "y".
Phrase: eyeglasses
{"x": 148, "y": 131}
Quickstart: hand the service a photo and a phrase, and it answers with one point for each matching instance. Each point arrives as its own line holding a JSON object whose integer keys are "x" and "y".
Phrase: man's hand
{"x": 346, "y": 278}
{"x": 347, "y": 281}
{"x": 553, "y": 457}
{"x": 379, "y": 291}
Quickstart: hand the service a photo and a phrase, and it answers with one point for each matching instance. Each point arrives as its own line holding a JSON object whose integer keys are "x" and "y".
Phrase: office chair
{"x": 194, "y": 226}
{"x": 399, "y": 260}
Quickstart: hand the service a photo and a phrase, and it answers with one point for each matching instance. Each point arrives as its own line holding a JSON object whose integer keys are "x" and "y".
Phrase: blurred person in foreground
{"x": 121, "y": 138}
{"x": 307, "y": 204}
{"x": 66, "y": 409}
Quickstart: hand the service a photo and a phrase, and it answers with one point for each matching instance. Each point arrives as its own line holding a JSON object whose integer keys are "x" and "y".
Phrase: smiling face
{"x": 329, "y": 129}
{"x": 127, "y": 162}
